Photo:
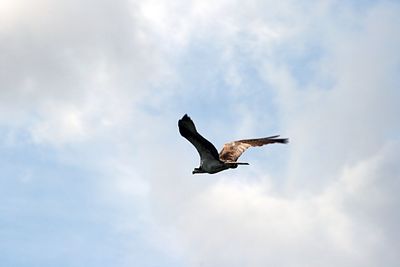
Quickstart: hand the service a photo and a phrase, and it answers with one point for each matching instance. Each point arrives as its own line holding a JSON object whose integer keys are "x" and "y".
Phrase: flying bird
{"x": 210, "y": 160}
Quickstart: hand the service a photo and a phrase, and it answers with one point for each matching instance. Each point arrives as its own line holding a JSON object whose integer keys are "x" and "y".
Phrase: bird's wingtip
{"x": 185, "y": 117}
{"x": 279, "y": 140}
{"x": 186, "y": 124}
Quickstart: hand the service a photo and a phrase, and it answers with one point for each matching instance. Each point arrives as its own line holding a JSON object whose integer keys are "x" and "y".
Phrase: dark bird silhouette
{"x": 210, "y": 160}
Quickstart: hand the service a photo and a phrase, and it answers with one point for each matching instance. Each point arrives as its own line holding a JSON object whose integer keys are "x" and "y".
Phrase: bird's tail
{"x": 237, "y": 163}
{"x": 234, "y": 165}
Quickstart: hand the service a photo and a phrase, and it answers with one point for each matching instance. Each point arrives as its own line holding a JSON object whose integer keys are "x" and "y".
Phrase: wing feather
{"x": 205, "y": 148}
{"x": 233, "y": 150}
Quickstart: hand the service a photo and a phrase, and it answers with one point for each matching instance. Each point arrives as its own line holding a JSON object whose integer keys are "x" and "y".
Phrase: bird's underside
{"x": 210, "y": 160}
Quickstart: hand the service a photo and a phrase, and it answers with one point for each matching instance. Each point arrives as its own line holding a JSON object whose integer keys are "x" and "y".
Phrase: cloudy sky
{"x": 93, "y": 171}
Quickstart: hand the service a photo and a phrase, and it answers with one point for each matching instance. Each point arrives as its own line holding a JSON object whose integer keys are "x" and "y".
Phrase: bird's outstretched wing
{"x": 233, "y": 150}
{"x": 207, "y": 151}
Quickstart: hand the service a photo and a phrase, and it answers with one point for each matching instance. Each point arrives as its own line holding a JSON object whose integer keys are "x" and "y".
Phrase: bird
{"x": 210, "y": 160}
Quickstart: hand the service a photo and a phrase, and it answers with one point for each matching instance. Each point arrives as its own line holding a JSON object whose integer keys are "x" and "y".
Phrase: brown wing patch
{"x": 233, "y": 150}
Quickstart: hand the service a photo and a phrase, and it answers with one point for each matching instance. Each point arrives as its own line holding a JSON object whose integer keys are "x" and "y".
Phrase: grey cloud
{"x": 82, "y": 68}
{"x": 352, "y": 223}
{"x": 71, "y": 55}
{"x": 314, "y": 220}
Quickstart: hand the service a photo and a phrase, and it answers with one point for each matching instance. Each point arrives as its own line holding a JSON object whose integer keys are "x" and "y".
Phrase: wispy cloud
{"x": 91, "y": 93}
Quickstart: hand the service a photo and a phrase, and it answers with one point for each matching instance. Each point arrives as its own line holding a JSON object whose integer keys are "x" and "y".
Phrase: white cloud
{"x": 238, "y": 221}
{"x": 70, "y": 69}
{"x": 341, "y": 122}
{"x": 88, "y": 76}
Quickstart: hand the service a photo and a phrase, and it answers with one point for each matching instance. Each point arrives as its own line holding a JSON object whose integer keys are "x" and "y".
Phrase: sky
{"x": 93, "y": 171}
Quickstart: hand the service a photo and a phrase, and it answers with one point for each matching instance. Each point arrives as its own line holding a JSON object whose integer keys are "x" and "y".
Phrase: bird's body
{"x": 210, "y": 160}
{"x": 211, "y": 166}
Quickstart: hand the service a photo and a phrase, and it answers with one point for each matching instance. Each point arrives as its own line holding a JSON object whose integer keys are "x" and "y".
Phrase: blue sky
{"x": 95, "y": 173}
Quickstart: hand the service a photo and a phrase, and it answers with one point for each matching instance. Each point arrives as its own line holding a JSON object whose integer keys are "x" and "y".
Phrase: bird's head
{"x": 197, "y": 170}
